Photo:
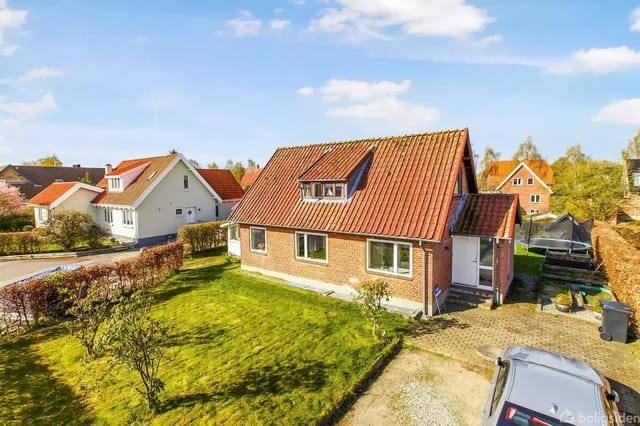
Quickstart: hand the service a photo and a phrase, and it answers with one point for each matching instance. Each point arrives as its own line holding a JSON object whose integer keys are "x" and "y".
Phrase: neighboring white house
{"x": 146, "y": 200}
{"x": 63, "y": 196}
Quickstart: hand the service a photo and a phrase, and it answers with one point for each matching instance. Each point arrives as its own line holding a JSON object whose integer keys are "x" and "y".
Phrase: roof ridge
{"x": 373, "y": 139}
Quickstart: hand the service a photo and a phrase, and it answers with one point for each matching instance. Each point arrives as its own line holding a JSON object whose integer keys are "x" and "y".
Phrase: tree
{"x": 86, "y": 178}
{"x": 194, "y": 163}
{"x": 527, "y": 151}
{"x": 89, "y": 311}
{"x": 237, "y": 169}
{"x": 633, "y": 149}
{"x": 251, "y": 164}
{"x": 212, "y": 165}
{"x": 370, "y": 295}
{"x": 12, "y": 202}
{"x": 51, "y": 161}
{"x": 173, "y": 151}
{"x": 69, "y": 227}
{"x": 138, "y": 342}
{"x": 489, "y": 157}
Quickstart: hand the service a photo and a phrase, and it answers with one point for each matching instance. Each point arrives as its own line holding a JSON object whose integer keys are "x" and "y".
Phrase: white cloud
{"x": 635, "y": 17}
{"x": 12, "y": 18}
{"x": 492, "y": 39}
{"x": 335, "y": 90}
{"x": 39, "y": 73}
{"x": 278, "y": 24}
{"x": 24, "y": 110}
{"x": 597, "y": 60}
{"x": 3, "y": 4}
{"x": 8, "y": 50}
{"x": 245, "y": 24}
{"x": 370, "y": 18}
{"x": 297, "y": 2}
{"x": 305, "y": 91}
{"x": 626, "y": 111}
{"x": 278, "y": 10}
{"x": 8, "y": 122}
{"x": 398, "y": 112}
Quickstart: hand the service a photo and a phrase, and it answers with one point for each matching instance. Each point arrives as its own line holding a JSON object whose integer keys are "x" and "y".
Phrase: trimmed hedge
{"x": 50, "y": 297}
{"x": 622, "y": 265}
{"x": 200, "y": 237}
{"x": 20, "y": 243}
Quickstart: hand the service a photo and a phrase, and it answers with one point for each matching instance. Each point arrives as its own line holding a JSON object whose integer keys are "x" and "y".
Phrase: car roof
{"x": 556, "y": 361}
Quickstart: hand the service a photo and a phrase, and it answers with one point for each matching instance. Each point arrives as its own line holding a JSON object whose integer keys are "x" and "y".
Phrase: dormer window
{"x": 115, "y": 184}
{"x": 323, "y": 190}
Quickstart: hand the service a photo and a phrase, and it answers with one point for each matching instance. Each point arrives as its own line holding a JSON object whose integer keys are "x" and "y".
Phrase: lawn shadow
{"x": 436, "y": 324}
{"x": 30, "y": 393}
{"x": 188, "y": 280}
{"x": 629, "y": 399}
{"x": 201, "y": 335}
{"x": 523, "y": 289}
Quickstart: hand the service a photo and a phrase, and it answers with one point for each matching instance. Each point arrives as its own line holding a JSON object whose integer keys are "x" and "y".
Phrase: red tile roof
{"x": 490, "y": 215}
{"x": 250, "y": 177}
{"x": 51, "y": 193}
{"x": 336, "y": 164}
{"x": 223, "y": 182}
{"x": 499, "y": 170}
{"x": 406, "y": 190}
{"x": 127, "y": 165}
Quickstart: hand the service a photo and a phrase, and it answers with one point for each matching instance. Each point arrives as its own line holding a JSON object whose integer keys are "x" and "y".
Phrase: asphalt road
{"x": 14, "y": 270}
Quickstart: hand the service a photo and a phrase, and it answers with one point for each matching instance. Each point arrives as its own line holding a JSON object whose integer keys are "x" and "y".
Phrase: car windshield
{"x": 515, "y": 415}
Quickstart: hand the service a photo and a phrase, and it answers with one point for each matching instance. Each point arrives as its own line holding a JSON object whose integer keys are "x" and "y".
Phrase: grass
{"x": 527, "y": 263}
{"x": 246, "y": 351}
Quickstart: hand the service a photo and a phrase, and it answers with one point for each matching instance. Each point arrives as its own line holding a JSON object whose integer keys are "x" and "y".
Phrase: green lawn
{"x": 248, "y": 350}
{"x": 527, "y": 263}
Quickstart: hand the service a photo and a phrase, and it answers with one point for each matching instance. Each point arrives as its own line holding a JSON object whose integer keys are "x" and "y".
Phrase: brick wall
{"x": 503, "y": 274}
{"x": 346, "y": 262}
{"x": 525, "y": 191}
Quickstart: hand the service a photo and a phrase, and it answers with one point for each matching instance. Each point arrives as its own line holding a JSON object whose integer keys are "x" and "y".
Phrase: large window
{"x": 127, "y": 217}
{"x": 258, "y": 238}
{"x": 234, "y": 233}
{"x": 311, "y": 247}
{"x": 485, "y": 266}
{"x": 324, "y": 191}
{"x": 389, "y": 257}
{"x": 108, "y": 215}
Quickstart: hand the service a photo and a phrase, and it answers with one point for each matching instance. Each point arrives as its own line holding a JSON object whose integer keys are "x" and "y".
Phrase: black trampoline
{"x": 563, "y": 233}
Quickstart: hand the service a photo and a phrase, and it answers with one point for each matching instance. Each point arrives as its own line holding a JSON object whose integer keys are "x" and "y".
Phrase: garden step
{"x": 469, "y": 297}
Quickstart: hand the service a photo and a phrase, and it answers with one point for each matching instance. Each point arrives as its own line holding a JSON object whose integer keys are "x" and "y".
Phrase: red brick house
{"x": 530, "y": 179}
{"x": 404, "y": 209}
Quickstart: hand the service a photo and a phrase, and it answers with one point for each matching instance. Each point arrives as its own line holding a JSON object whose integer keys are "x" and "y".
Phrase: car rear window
{"x": 515, "y": 415}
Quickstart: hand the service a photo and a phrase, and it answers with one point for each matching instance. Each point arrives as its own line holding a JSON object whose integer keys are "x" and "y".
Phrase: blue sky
{"x": 102, "y": 81}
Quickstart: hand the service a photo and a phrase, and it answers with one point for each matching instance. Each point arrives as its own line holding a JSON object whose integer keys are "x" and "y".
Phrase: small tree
{"x": 370, "y": 295}
{"x": 527, "y": 151}
{"x": 51, "y": 161}
{"x": 139, "y": 342}
{"x": 68, "y": 228}
{"x": 212, "y": 165}
{"x": 89, "y": 310}
{"x": 12, "y": 203}
{"x": 86, "y": 178}
{"x": 489, "y": 157}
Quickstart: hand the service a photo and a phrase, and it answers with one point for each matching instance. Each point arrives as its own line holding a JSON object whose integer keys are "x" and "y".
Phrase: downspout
{"x": 425, "y": 278}
{"x": 498, "y": 300}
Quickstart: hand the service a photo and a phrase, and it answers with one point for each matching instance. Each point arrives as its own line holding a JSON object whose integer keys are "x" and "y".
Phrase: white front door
{"x": 190, "y": 214}
{"x": 465, "y": 260}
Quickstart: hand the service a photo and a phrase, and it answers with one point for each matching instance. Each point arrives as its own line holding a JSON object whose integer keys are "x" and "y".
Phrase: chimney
{"x": 107, "y": 169}
{"x": 77, "y": 166}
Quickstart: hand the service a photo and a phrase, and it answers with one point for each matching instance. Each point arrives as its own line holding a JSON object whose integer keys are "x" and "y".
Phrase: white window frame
{"x": 237, "y": 231}
{"x": 127, "y": 218}
{"x": 395, "y": 258}
{"x": 251, "y": 239}
{"x": 530, "y": 181}
{"x": 179, "y": 212}
{"x": 306, "y": 258}
{"x": 185, "y": 182}
{"x": 636, "y": 179}
{"x": 115, "y": 184}
{"x": 534, "y": 211}
{"x": 108, "y": 216}
{"x": 535, "y": 197}
{"x": 517, "y": 181}
{"x": 43, "y": 214}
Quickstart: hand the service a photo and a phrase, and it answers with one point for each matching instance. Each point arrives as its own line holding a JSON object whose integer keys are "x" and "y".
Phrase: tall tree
{"x": 251, "y": 164}
{"x": 51, "y": 161}
{"x": 212, "y": 165}
{"x": 527, "y": 151}
{"x": 236, "y": 168}
{"x": 12, "y": 202}
{"x": 633, "y": 149}
{"x": 194, "y": 163}
{"x": 489, "y": 157}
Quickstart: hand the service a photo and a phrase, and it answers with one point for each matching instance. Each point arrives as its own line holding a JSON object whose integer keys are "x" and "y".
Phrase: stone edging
{"x": 65, "y": 254}
{"x": 337, "y": 410}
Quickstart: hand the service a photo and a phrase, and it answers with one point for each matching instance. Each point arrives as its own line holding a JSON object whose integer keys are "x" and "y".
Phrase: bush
{"x": 15, "y": 222}
{"x": 370, "y": 295}
{"x": 20, "y": 243}
{"x": 68, "y": 228}
{"x": 200, "y": 237}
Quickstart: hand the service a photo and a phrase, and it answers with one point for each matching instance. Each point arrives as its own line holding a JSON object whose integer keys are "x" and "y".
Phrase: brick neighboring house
{"x": 404, "y": 209}
{"x": 631, "y": 204}
{"x": 530, "y": 179}
{"x": 30, "y": 180}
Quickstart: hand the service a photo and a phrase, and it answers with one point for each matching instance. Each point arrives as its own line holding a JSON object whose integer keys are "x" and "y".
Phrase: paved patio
{"x": 459, "y": 333}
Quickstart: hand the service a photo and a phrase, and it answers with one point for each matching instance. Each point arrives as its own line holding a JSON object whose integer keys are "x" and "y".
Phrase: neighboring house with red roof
{"x": 404, "y": 209}
{"x": 63, "y": 196}
{"x": 30, "y": 180}
{"x": 530, "y": 179}
{"x": 249, "y": 177}
{"x": 146, "y": 200}
{"x": 226, "y": 186}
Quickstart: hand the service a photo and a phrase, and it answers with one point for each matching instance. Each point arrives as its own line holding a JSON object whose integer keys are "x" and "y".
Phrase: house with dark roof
{"x": 30, "y": 180}
{"x": 404, "y": 209}
{"x": 530, "y": 179}
{"x": 631, "y": 203}
{"x": 146, "y": 200}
